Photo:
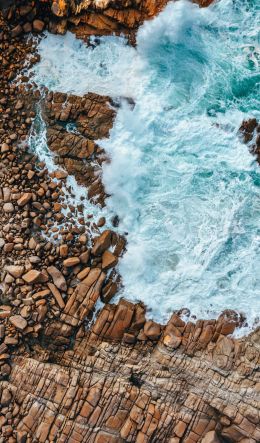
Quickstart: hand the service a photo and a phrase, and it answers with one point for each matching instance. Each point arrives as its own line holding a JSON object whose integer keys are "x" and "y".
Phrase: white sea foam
{"x": 74, "y": 194}
{"x": 185, "y": 187}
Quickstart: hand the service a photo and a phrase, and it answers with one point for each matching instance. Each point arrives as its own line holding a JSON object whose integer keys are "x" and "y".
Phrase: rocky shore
{"x": 73, "y": 370}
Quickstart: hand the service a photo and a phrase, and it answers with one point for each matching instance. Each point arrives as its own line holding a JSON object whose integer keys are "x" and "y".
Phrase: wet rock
{"x": 27, "y": 27}
{"x": 38, "y": 25}
{"x": 107, "y": 378}
{"x": 102, "y": 243}
{"x": 109, "y": 260}
{"x": 17, "y": 30}
{"x": 61, "y": 174}
{"x": 64, "y": 250}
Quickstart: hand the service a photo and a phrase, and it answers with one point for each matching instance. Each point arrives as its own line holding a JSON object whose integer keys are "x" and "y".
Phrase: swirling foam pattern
{"x": 184, "y": 185}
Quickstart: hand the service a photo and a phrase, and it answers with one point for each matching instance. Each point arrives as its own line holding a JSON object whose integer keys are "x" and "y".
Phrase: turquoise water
{"x": 184, "y": 185}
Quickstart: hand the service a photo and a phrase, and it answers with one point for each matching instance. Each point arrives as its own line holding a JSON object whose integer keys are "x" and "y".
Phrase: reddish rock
{"x": 109, "y": 260}
{"x": 152, "y": 330}
{"x": 18, "y": 321}
{"x": 64, "y": 250}
{"x": 32, "y": 276}
{"x": 60, "y": 174}
{"x": 102, "y": 243}
{"x": 56, "y": 294}
{"x": 71, "y": 261}
{"x": 172, "y": 341}
{"x": 24, "y": 199}
{"x": 38, "y": 25}
{"x": 58, "y": 278}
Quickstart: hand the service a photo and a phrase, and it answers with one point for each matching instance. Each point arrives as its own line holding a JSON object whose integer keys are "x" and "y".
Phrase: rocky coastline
{"x": 70, "y": 373}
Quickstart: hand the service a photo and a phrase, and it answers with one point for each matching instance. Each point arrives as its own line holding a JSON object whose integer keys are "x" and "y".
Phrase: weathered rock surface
{"x": 65, "y": 375}
{"x": 108, "y": 389}
{"x": 92, "y": 116}
{"x": 83, "y": 17}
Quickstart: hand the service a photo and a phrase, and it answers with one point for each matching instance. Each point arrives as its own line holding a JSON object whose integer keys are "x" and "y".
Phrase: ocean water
{"x": 185, "y": 187}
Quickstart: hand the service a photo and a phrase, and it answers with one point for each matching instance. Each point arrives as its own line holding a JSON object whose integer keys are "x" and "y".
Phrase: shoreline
{"x": 68, "y": 291}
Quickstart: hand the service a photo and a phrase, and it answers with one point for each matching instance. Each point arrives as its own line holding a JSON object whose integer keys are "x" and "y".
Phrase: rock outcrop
{"x": 74, "y": 369}
{"x": 250, "y": 130}
{"x": 91, "y": 118}
{"x": 83, "y": 17}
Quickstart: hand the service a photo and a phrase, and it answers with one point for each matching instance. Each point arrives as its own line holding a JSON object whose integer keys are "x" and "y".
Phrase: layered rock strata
{"x": 71, "y": 372}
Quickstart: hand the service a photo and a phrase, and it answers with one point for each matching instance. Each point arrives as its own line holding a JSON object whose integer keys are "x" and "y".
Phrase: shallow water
{"x": 185, "y": 187}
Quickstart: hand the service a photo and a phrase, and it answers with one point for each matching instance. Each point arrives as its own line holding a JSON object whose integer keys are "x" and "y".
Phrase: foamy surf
{"x": 74, "y": 194}
{"x": 183, "y": 184}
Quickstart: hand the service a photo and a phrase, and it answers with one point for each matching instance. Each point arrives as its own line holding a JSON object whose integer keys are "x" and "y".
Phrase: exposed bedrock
{"x": 184, "y": 383}
{"x": 67, "y": 373}
{"x": 91, "y": 117}
{"x": 84, "y": 17}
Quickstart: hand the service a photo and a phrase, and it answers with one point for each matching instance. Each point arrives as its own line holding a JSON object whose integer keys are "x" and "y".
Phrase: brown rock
{"x": 5, "y": 369}
{"x": 32, "y": 243}
{"x": 64, "y": 250}
{"x": 71, "y": 261}
{"x": 24, "y": 199}
{"x": 109, "y": 260}
{"x": 6, "y": 397}
{"x": 152, "y": 330}
{"x": 38, "y": 25}
{"x": 17, "y": 31}
{"x": 228, "y": 328}
{"x": 4, "y": 148}
{"x": 41, "y": 294}
{"x": 58, "y": 278}
{"x": 18, "y": 321}
{"x": 21, "y": 436}
{"x": 102, "y": 243}
{"x": 60, "y": 174}
{"x": 84, "y": 257}
{"x": 19, "y": 105}
{"x": 56, "y": 294}
{"x": 211, "y": 437}
{"x": 15, "y": 271}
{"x": 27, "y": 27}
{"x": 172, "y": 341}
{"x": 32, "y": 276}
